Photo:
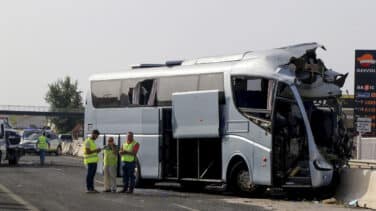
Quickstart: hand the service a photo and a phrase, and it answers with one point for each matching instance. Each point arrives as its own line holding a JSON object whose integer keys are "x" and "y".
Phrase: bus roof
{"x": 254, "y": 63}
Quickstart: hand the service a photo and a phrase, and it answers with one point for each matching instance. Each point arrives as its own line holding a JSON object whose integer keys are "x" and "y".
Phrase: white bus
{"x": 264, "y": 118}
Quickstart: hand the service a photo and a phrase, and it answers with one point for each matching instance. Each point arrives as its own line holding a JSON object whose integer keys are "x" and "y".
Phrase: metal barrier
{"x": 363, "y": 164}
{"x": 37, "y": 108}
{"x": 40, "y": 110}
{"x": 365, "y": 148}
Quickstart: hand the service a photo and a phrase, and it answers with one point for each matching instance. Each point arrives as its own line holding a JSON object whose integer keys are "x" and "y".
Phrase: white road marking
{"x": 74, "y": 158}
{"x": 18, "y": 198}
{"x": 184, "y": 207}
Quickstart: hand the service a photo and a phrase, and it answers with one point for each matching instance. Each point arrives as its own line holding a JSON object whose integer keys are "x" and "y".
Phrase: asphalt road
{"x": 60, "y": 186}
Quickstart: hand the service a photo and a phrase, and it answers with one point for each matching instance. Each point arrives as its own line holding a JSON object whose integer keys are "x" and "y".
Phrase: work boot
{"x": 90, "y": 191}
{"x": 130, "y": 191}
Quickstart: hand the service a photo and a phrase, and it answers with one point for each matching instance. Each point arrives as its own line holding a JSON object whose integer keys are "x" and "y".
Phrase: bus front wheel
{"x": 239, "y": 181}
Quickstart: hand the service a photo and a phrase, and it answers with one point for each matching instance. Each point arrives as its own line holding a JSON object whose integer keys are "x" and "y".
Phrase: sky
{"x": 45, "y": 40}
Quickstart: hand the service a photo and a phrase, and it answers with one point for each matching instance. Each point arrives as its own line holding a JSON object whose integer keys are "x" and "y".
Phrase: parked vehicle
{"x": 65, "y": 137}
{"x": 268, "y": 118}
{"x": 10, "y": 148}
{"x": 30, "y": 139}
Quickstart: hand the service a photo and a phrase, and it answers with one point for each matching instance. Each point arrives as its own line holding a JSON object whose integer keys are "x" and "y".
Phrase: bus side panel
{"x": 149, "y": 144}
{"x": 144, "y": 123}
{"x": 256, "y": 156}
{"x": 90, "y": 117}
{"x": 148, "y": 156}
{"x": 230, "y": 149}
{"x": 243, "y": 137}
{"x": 100, "y": 143}
{"x": 119, "y": 121}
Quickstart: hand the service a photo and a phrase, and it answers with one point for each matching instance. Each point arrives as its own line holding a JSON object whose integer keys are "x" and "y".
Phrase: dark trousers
{"x": 91, "y": 171}
{"x": 42, "y": 155}
{"x": 129, "y": 179}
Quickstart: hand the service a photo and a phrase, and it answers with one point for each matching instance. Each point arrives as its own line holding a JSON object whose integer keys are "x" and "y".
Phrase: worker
{"x": 91, "y": 160}
{"x": 128, "y": 154}
{"x": 110, "y": 166}
{"x": 43, "y": 145}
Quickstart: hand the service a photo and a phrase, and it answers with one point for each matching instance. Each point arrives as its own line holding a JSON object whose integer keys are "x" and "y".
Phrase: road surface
{"x": 60, "y": 186}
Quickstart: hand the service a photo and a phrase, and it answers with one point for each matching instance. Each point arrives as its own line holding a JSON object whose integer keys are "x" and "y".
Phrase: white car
{"x": 30, "y": 139}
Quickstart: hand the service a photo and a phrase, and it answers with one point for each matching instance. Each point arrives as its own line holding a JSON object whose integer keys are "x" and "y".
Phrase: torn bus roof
{"x": 296, "y": 64}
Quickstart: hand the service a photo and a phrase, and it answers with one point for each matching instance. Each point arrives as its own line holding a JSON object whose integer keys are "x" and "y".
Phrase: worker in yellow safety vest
{"x": 128, "y": 154}
{"x": 91, "y": 160}
{"x": 43, "y": 145}
{"x": 110, "y": 161}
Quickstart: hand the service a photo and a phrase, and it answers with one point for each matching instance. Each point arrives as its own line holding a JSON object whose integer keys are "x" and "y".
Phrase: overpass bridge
{"x": 40, "y": 111}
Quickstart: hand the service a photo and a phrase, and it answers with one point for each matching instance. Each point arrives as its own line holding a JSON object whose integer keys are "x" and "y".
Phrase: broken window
{"x": 253, "y": 97}
{"x": 138, "y": 92}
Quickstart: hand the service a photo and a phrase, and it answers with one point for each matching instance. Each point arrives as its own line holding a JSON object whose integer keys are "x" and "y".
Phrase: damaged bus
{"x": 259, "y": 119}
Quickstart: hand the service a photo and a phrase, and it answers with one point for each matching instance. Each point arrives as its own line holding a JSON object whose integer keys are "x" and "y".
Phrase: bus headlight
{"x": 322, "y": 165}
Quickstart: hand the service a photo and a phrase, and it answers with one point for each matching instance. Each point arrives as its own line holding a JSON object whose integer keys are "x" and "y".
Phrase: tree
{"x": 64, "y": 95}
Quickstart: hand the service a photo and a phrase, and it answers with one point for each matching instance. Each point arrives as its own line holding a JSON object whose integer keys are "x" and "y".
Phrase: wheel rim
{"x": 242, "y": 180}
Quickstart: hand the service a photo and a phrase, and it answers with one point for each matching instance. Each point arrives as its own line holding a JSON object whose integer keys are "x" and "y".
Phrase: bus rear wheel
{"x": 240, "y": 182}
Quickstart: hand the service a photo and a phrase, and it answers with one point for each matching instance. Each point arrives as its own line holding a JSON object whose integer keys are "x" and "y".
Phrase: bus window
{"x": 212, "y": 81}
{"x": 169, "y": 85}
{"x": 253, "y": 98}
{"x": 138, "y": 92}
{"x": 106, "y": 94}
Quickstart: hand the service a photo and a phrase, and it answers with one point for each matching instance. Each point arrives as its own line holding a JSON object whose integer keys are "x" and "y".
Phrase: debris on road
{"x": 354, "y": 203}
{"x": 329, "y": 201}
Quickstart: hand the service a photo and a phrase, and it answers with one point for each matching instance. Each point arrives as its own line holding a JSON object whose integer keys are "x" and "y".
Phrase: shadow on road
{"x": 277, "y": 194}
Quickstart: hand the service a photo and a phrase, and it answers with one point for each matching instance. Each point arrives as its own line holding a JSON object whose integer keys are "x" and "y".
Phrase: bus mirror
{"x": 2, "y": 131}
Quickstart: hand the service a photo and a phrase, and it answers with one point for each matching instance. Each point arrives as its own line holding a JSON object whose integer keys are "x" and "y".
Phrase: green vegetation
{"x": 61, "y": 95}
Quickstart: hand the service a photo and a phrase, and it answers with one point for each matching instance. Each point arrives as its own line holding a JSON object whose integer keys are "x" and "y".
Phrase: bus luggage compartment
{"x": 195, "y": 114}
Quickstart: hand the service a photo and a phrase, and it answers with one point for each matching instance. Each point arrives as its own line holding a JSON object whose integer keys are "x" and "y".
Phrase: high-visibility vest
{"x": 129, "y": 148}
{"x": 110, "y": 158}
{"x": 93, "y": 157}
{"x": 42, "y": 142}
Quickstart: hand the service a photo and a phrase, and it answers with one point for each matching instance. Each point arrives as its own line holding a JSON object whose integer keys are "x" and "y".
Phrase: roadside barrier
{"x": 358, "y": 184}
{"x": 73, "y": 148}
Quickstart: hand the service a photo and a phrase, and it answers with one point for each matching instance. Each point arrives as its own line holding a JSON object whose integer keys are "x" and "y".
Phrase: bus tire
{"x": 239, "y": 180}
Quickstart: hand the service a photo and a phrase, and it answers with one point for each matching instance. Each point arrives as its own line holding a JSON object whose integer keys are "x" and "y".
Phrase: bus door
{"x": 297, "y": 161}
{"x": 290, "y": 143}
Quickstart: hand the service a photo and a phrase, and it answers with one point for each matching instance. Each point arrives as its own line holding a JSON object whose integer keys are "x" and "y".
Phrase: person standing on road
{"x": 128, "y": 154}
{"x": 43, "y": 145}
{"x": 110, "y": 165}
{"x": 91, "y": 160}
